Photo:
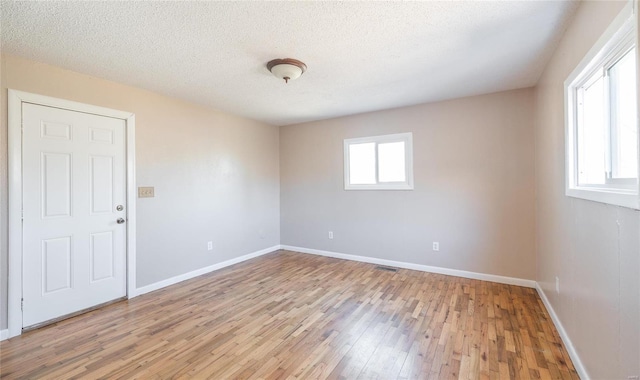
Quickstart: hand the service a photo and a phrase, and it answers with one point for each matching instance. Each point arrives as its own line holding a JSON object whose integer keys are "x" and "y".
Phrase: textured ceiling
{"x": 361, "y": 56}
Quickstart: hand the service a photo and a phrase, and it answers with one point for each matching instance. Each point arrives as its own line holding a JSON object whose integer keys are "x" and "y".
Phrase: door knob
{"x": 120, "y": 221}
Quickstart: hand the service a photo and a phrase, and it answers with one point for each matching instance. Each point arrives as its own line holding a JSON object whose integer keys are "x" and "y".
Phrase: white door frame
{"x": 15, "y": 100}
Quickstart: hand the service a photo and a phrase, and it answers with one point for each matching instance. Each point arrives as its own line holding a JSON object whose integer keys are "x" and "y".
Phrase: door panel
{"x": 55, "y": 177}
{"x": 56, "y": 264}
{"x": 101, "y": 174}
{"x": 56, "y": 131}
{"x": 73, "y": 180}
{"x": 102, "y": 255}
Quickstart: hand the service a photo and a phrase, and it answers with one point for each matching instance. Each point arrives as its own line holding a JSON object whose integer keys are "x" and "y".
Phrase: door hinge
{"x": 22, "y": 304}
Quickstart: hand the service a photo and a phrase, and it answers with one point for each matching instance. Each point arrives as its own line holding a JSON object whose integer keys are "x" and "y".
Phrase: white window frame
{"x": 618, "y": 38}
{"x": 407, "y": 138}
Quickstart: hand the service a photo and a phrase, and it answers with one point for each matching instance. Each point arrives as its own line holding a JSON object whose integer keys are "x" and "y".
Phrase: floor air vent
{"x": 388, "y": 269}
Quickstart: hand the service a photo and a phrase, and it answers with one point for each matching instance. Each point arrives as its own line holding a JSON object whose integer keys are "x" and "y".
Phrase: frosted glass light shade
{"x": 287, "y": 69}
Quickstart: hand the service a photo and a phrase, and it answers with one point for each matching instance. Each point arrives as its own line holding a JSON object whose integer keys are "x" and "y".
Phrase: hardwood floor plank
{"x": 288, "y": 315}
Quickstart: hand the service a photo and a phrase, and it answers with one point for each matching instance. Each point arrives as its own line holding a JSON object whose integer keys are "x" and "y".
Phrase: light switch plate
{"x": 145, "y": 192}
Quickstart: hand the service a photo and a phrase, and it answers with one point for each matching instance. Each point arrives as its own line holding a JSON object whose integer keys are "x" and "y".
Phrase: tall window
{"x": 379, "y": 162}
{"x": 602, "y": 119}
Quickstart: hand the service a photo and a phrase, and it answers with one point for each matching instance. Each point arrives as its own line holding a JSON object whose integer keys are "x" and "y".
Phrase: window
{"x": 379, "y": 163}
{"x": 602, "y": 119}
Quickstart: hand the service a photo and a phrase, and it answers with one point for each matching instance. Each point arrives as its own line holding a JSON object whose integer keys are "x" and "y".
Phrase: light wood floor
{"x": 292, "y": 315}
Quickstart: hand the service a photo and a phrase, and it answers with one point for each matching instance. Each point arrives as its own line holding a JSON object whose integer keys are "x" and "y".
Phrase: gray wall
{"x": 593, "y": 248}
{"x": 216, "y": 176}
{"x": 474, "y": 187}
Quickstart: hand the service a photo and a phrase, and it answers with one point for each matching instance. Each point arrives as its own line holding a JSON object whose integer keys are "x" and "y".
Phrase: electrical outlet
{"x": 330, "y": 234}
{"x": 210, "y": 246}
{"x": 436, "y": 246}
{"x": 557, "y": 285}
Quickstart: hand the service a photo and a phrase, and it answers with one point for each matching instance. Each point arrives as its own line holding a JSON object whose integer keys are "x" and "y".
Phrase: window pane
{"x": 391, "y": 165}
{"x": 624, "y": 131}
{"x": 362, "y": 164}
{"x": 591, "y": 135}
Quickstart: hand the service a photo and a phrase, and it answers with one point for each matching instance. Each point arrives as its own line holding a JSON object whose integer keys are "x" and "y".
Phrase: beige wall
{"x": 216, "y": 176}
{"x": 593, "y": 248}
{"x": 3, "y": 198}
{"x": 474, "y": 187}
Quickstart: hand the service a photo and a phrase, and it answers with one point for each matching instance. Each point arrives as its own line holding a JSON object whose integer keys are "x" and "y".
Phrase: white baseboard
{"x": 201, "y": 271}
{"x": 418, "y": 267}
{"x": 577, "y": 363}
{"x": 4, "y": 334}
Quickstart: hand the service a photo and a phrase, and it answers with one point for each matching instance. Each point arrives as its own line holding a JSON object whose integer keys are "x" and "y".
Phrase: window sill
{"x": 379, "y": 187}
{"x": 621, "y": 198}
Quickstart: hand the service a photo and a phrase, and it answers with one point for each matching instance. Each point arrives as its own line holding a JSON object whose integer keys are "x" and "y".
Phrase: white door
{"x": 73, "y": 195}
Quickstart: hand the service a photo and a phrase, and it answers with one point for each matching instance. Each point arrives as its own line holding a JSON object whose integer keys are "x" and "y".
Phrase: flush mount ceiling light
{"x": 286, "y": 68}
